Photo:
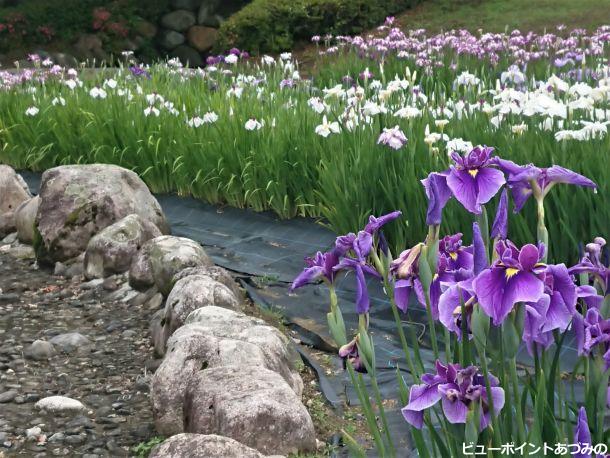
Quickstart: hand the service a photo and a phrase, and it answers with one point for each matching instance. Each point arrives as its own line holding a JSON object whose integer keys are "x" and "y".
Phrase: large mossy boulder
{"x": 78, "y": 201}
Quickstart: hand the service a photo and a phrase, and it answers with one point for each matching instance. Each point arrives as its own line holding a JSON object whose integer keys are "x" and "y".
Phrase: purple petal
{"x": 521, "y": 191}
{"x": 455, "y": 411}
{"x": 363, "y": 244}
{"x": 497, "y": 396}
{"x": 307, "y": 276}
{"x": 438, "y": 194}
{"x": 578, "y": 324}
{"x": 489, "y": 181}
{"x": 413, "y": 417}
{"x": 489, "y": 288}
{"x": 362, "y": 293}
{"x": 529, "y": 257}
{"x": 557, "y": 174}
{"x": 589, "y": 295}
{"x": 499, "y": 228}
{"x": 464, "y": 188}
{"x": 422, "y": 397}
{"x": 402, "y": 293}
{"x": 522, "y": 287}
{"x": 582, "y": 435}
{"x": 375, "y": 223}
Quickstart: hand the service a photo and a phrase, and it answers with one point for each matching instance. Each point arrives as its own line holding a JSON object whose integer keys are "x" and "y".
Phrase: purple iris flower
{"x": 360, "y": 245}
{"x": 499, "y": 229}
{"x": 139, "y": 71}
{"x": 521, "y": 180}
{"x": 438, "y": 194}
{"x": 593, "y": 331}
{"x": 473, "y": 180}
{"x": 515, "y": 277}
{"x": 457, "y": 388}
{"x": 457, "y": 256}
{"x": 554, "y": 310}
{"x": 593, "y": 265}
{"x": 582, "y": 435}
{"x": 320, "y": 267}
{"x": 349, "y": 352}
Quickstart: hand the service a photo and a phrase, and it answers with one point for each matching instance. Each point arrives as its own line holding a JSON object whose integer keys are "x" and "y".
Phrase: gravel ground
{"x": 107, "y": 368}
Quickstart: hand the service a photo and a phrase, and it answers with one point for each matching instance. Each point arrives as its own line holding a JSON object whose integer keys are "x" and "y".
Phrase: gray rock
{"x": 39, "y": 350}
{"x": 188, "y": 56}
{"x": 22, "y": 252}
{"x": 60, "y": 404}
{"x": 7, "y": 224}
{"x": 216, "y": 272}
{"x": 170, "y": 39}
{"x": 112, "y": 250}
{"x": 196, "y": 347}
{"x": 190, "y": 445}
{"x": 178, "y": 20}
{"x": 190, "y": 5}
{"x": 78, "y": 201}
{"x": 25, "y": 217}
{"x": 57, "y": 437}
{"x": 33, "y": 433}
{"x": 208, "y": 14}
{"x": 72, "y": 342}
{"x": 189, "y": 294}
{"x": 8, "y": 396}
{"x": 161, "y": 258}
{"x": 9, "y": 239}
{"x": 13, "y": 190}
{"x": 223, "y": 323}
{"x": 252, "y": 405}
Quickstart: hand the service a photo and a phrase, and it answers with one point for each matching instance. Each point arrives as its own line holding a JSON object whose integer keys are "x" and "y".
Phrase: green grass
{"x": 496, "y": 15}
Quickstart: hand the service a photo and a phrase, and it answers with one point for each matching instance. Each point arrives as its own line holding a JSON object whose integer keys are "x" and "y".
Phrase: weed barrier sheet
{"x": 267, "y": 253}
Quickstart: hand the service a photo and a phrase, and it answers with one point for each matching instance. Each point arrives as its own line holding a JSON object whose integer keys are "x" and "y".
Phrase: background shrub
{"x": 276, "y": 25}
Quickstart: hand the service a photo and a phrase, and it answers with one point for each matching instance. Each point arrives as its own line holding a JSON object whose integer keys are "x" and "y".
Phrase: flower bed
{"x": 352, "y": 140}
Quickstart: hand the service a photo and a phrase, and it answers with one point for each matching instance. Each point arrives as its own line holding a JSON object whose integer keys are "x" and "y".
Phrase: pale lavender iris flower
{"x": 457, "y": 389}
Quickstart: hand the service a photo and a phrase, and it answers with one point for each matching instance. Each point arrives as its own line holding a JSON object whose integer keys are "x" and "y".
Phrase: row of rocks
{"x": 223, "y": 373}
{"x": 191, "y": 29}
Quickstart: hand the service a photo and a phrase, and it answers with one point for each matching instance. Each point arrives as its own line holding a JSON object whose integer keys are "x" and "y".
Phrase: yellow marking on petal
{"x": 457, "y": 310}
{"x": 473, "y": 172}
{"x": 540, "y": 264}
{"x": 453, "y": 256}
{"x": 435, "y": 277}
{"x": 511, "y": 271}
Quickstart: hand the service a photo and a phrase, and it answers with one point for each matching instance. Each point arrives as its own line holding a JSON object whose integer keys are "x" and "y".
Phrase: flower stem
{"x": 515, "y": 386}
